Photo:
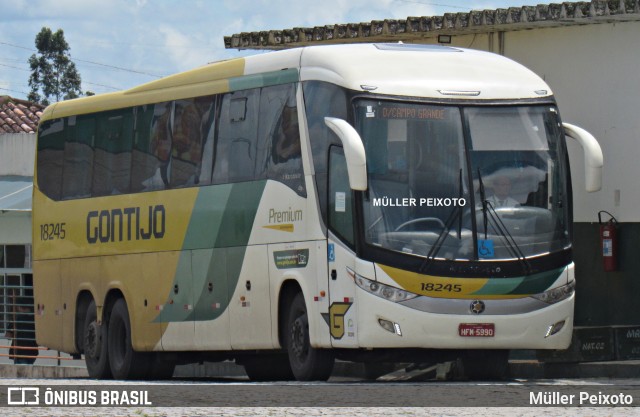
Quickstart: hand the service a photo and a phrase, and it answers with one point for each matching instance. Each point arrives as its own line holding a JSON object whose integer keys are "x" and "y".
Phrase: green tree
{"x": 53, "y": 74}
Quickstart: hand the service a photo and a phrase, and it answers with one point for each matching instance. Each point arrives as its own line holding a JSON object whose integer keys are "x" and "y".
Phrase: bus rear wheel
{"x": 94, "y": 345}
{"x": 124, "y": 361}
{"x": 307, "y": 362}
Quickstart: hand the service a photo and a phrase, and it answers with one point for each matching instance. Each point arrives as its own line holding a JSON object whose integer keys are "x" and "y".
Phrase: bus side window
{"x": 279, "y": 151}
{"x": 323, "y": 100}
{"x": 151, "y": 147}
{"x": 340, "y": 199}
{"x": 191, "y": 125}
{"x": 78, "y": 157}
{"x": 236, "y": 146}
{"x": 112, "y": 155}
{"x": 50, "y": 157}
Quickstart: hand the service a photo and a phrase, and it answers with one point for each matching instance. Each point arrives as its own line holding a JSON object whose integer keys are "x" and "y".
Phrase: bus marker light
{"x": 390, "y": 326}
{"x": 316, "y": 299}
{"x": 387, "y": 325}
{"x": 554, "y": 328}
{"x": 322, "y": 293}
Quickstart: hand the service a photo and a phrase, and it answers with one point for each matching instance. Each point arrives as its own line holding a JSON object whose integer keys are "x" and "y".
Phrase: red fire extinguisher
{"x": 609, "y": 242}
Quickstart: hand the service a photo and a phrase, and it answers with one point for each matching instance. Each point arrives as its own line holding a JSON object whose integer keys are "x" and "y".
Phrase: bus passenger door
{"x": 340, "y": 252}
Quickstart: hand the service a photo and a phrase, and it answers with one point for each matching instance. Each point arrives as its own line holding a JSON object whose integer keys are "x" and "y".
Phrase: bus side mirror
{"x": 353, "y": 152}
{"x": 592, "y": 156}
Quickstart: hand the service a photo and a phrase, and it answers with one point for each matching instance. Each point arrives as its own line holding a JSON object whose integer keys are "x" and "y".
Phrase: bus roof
{"x": 428, "y": 71}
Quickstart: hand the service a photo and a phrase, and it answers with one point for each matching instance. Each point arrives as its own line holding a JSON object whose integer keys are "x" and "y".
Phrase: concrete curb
{"x": 520, "y": 369}
{"x": 39, "y": 371}
{"x": 541, "y": 370}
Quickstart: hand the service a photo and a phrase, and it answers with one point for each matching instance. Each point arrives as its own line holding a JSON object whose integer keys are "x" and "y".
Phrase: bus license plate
{"x": 477, "y": 330}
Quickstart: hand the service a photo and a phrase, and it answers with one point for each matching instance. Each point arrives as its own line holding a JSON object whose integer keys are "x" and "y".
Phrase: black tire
{"x": 487, "y": 365}
{"x": 307, "y": 362}
{"x": 160, "y": 367}
{"x": 268, "y": 368}
{"x": 94, "y": 345}
{"x": 125, "y": 363}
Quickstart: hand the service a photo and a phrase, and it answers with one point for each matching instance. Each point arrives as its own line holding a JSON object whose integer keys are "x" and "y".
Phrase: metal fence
{"x": 17, "y": 327}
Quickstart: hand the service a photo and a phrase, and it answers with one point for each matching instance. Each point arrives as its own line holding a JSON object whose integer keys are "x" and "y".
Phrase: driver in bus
{"x": 501, "y": 193}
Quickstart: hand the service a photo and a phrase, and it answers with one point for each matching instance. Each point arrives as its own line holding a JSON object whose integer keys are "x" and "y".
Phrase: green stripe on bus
{"x": 217, "y": 236}
{"x": 207, "y": 215}
{"x": 538, "y": 283}
{"x": 531, "y": 284}
{"x": 499, "y": 286}
{"x": 262, "y": 80}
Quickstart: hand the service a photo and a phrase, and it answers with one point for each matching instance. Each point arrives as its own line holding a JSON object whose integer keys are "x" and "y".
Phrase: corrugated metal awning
{"x": 15, "y": 193}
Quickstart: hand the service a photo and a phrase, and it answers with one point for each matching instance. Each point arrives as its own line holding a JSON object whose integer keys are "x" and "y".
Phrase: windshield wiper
{"x": 484, "y": 200}
{"x": 455, "y": 213}
{"x": 499, "y": 226}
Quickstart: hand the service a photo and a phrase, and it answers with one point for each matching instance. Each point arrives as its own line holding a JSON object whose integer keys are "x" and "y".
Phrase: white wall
{"x": 593, "y": 71}
{"x": 17, "y": 154}
{"x": 15, "y": 228}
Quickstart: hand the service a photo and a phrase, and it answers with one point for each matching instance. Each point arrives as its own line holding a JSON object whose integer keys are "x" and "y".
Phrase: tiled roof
{"x": 415, "y": 28}
{"x": 19, "y": 116}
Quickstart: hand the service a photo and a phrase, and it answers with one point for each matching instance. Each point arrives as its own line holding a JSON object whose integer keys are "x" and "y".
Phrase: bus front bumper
{"x": 385, "y": 324}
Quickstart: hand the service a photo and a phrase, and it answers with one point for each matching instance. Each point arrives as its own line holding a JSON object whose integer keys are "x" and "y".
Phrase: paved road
{"x": 274, "y": 400}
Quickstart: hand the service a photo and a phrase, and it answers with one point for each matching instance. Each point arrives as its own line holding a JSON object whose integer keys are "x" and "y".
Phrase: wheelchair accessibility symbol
{"x": 485, "y": 248}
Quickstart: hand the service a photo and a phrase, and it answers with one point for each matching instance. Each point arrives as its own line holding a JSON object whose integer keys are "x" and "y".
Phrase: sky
{"x": 118, "y": 44}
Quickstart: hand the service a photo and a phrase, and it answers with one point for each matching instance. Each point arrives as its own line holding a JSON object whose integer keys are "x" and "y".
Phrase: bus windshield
{"x": 464, "y": 183}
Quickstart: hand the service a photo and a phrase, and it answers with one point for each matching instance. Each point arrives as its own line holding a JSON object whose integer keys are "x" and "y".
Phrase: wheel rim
{"x": 299, "y": 338}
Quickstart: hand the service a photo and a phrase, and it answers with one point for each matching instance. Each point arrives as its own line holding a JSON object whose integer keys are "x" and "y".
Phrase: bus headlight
{"x": 381, "y": 290}
{"x": 555, "y": 295}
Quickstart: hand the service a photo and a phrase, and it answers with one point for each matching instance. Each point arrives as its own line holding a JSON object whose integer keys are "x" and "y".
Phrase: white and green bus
{"x": 290, "y": 208}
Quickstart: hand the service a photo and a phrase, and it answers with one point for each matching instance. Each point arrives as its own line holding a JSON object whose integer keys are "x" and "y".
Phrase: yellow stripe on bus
{"x": 441, "y": 287}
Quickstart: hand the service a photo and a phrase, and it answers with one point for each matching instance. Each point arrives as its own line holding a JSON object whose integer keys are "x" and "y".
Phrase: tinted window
{"x": 50, "y": 157}
{"x": 192, "y": 123}
{"x": 279, "y": 150}
{"x": 340, "y": 197}
{"x": 151, "y": 144}
{"x": 322, "y": 100}
{"x": 112, "y": 157}
{"x": 78, "y": 157}
{"x": 236, "y": 147}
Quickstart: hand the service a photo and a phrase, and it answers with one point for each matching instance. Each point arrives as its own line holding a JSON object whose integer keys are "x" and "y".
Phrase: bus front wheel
{"x": 124, "y": 361}
{"x": 95, "y": 345}
{"x": 307, "y": 362}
